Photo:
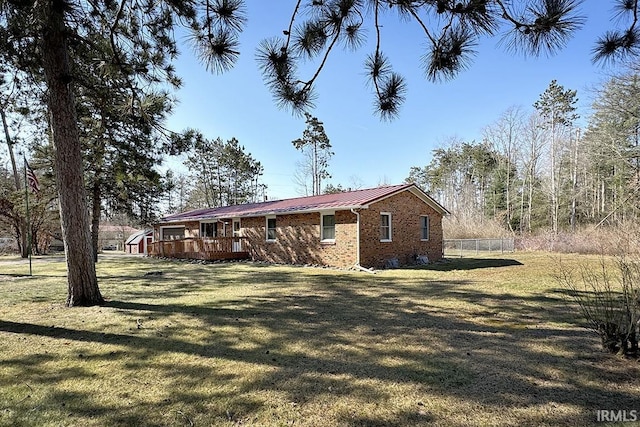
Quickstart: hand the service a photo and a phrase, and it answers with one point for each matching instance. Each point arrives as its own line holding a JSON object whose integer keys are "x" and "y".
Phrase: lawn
{"x": 481, "y": 341}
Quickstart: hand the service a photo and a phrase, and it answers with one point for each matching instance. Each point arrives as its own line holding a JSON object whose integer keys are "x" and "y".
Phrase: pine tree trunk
{"x": 82, "y": 281}
{"x": 554, "y": 185}
{"x": 530, "y": 199}
{"x": 95, "y": 218}
{"x": 508, "y": 183}
{"x": 522, "y": 191}
{"x": 574, "y": 186}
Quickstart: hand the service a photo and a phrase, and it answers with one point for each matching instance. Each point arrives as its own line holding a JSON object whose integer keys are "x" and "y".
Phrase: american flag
{"x": 32, "y": 179}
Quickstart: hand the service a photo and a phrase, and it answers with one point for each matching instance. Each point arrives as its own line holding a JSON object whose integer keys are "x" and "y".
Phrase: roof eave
{"x": 418, "y": 192}
{"x": 268, "y": 213}
{"x": 310, "y": 210}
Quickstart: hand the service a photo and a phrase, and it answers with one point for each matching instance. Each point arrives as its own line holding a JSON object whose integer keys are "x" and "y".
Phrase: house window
{"x": 385, "y": 227}
{"x": 424, "y": 227}
{"x": 271, "y": 228}
{"x": 173, "y": 233}
{"x": 208, "y": 229}
{"x": 328, "y": 227}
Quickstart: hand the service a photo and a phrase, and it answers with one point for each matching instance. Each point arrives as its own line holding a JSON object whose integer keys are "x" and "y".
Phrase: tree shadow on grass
{"x": 29, "y": 276}
{"x": 347, "y": 334}
{"x": 449, "y": 264}
{"x": 175, "y": 279}
{"x": 4, "y": 276}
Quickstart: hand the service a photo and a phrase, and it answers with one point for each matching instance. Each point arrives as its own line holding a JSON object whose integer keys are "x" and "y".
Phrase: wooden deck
{"x": 210, "y": 249}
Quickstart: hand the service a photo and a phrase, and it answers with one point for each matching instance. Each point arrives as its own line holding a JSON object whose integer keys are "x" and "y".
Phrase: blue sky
{"x": 238, "y": 104}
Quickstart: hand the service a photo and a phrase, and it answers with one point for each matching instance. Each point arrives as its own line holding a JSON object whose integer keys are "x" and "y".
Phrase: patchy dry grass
{"x": 470, "y": 342}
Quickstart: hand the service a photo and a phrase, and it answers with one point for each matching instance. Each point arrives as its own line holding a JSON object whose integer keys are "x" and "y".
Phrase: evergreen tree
{"x": 451, "y": 33}
{"x": 504, "y": 135}
{"x": 334, "y": 189}
{"x": 54, "y": 39}
{"x": 176, "y": 192}
{"x": 533, "y": 143}
{"x": 612, "y": 151}
{"x": 557, "y": 107}
{"x": 121, "y": 149}
{"x": 316, "y": 149}
{"x": 223, "y": 174}
{"x": 463, "y": 177}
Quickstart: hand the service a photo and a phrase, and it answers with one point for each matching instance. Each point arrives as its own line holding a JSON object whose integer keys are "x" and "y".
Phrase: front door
{"x": 237, "y": 243}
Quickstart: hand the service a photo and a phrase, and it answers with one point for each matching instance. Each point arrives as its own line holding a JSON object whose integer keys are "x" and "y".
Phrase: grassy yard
{"x": 481, "y": 341}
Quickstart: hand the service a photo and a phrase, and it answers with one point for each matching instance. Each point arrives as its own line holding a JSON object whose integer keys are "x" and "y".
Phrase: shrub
{"x": 587, "y": 240}
{"x": 608, "y": 301}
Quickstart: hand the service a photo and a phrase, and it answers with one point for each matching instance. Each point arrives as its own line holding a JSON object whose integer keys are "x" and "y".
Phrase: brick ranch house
{"x": 368, "y": 228}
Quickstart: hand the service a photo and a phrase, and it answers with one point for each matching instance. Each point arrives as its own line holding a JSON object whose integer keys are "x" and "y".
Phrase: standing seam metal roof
{"x": 345, "y": 200}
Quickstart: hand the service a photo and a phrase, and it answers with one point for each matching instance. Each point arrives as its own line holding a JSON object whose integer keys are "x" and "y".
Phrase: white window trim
{"x": 234, "y": 221}
{"x": 390, "y": 239}
{"x": 170, "y": 226}
{"x": 322, "y": 239}
{"x": 205, "y": 222}
{"x": 428, "y": 228}
{"x": 266, "y": 228}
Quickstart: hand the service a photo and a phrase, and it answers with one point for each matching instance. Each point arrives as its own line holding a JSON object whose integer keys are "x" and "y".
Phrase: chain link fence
{"x": 470, "y": 247}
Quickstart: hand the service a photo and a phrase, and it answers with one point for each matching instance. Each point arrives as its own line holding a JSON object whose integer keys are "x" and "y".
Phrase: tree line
{"x": 221, "y": 173}
{"x": 539, "y": 170}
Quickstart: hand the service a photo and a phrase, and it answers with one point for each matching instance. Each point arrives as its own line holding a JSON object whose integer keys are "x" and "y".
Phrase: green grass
{"x": 481, "y": 341}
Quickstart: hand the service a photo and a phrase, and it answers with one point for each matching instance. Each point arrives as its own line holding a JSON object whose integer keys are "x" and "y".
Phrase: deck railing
{"x": 208, "y": 248}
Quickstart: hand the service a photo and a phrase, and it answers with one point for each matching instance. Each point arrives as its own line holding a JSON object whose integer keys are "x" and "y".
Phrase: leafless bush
{"x": 608, "y": 299}
{"x": 593, "y": 240}
{"x": 455, "y": 227}
{"x": 8, "y": 245}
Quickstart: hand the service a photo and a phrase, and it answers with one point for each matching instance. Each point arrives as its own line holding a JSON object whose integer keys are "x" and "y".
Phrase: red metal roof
{"x": 346, "y": 200}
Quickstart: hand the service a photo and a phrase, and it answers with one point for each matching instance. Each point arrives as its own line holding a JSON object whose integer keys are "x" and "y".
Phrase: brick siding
{"x": 405, "y": 209}
{"x": 298, "y": 240}
{"x": 298, "y": 236}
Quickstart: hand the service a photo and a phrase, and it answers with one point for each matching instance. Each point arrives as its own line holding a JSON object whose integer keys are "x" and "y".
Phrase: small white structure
{"x": 139, "y": 243}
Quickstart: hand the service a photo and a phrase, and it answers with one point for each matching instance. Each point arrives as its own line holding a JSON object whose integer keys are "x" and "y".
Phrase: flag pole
{"x": 26, "y": 194}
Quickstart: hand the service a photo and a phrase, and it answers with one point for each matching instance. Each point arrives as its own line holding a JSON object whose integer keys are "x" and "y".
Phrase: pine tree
{"x": 316, "y": 147}
{"x": 224, "y": 174}
{"x": 557, "y": 107}
{"x": 53, "y": 38}
{"x": 612, "y": 150}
